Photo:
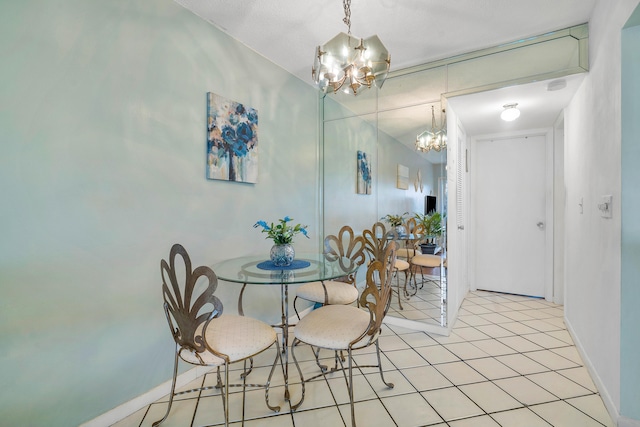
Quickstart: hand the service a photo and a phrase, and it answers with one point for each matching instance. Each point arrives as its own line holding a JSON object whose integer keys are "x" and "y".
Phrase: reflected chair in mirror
{"x": 203, "y": 336}
{"x": 349, "y": 328}
{"x": 411, "y": 247}
{"x": 425, "y": 264}
{"x": 375, "y": 242}
{"x": 348, "y": 250}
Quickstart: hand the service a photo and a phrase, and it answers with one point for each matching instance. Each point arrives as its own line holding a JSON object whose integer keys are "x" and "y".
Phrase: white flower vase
{"x": 282, "y": 255}
{"x": 401, "y": 230}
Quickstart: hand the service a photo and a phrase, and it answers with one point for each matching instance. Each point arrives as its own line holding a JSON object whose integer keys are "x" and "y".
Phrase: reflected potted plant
{"x": 397, "y": 222}
{"x": 433, "y": 228}
{"x": 282, "y": 234}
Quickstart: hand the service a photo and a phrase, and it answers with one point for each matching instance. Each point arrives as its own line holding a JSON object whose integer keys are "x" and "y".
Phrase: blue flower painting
{"x": 232, "y": 140}
{"x": 364, "y": 174}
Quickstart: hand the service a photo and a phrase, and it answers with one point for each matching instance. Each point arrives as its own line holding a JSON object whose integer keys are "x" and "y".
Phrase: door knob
{"x": 540, "y": 225}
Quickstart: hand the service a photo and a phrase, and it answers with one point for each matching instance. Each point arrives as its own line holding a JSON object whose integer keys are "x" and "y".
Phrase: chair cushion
{"x": 426, "y": 260}
{"x": 337, "y": 292}
{"x": 238, "y": 337}
{"x": 407, "y": 253}
{"x": 401, "y": 265}
{"x": 332, "y": 327}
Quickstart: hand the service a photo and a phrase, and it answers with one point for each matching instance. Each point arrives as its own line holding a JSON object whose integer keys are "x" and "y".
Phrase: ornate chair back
{"x": 410, "y": 225}
{"x": 347, "y": 249}
{"x": 376, "y": 240}
{"x": 376, "y": 297}
{"x": 188, "y": 306}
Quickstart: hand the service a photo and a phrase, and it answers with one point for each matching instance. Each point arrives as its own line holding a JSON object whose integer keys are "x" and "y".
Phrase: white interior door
{"x": 510, "y": 201}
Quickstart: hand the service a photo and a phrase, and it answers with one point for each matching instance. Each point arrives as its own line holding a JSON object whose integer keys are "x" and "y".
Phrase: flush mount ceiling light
{"x": 350, "y": 61}
{"x": 510, "y": 112}
{"x": 433, "y": 139}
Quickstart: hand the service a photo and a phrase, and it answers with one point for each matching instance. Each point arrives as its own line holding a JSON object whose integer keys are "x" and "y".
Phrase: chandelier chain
{"x": 347, "y": 14}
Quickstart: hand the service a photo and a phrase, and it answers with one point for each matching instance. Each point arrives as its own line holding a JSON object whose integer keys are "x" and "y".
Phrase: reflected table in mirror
{"x": 247, "y": 271}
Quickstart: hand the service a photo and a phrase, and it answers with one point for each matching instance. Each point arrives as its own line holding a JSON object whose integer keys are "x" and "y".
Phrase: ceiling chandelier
{"x": 350, "y": 61}
{"x": 433, "y": 139}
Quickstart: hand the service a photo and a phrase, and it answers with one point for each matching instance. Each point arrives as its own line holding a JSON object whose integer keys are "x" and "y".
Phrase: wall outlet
{"x": 605, "y": 206}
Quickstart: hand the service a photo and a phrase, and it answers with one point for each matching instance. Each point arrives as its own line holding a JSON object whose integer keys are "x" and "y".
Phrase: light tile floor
{"x": 426, "y": 302}
{"x": 509, "y": 362}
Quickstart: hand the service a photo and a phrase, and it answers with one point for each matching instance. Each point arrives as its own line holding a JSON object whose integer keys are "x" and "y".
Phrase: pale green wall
{"x": 630, "y": 262}
{"x": 102, "y": 169}
{"x": 342, "y": 205}
{"x": 342, "y": 140}
{"x": 393, "y": 200}
{"x": 596, "y": 304}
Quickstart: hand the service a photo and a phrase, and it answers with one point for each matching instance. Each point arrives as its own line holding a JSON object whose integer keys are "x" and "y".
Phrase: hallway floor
{"x": 509, "y": 362}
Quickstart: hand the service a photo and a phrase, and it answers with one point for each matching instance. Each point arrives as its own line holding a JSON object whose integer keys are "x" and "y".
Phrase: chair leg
{"x": 407, "y": 278}
{"x": 398, "y": 289}
{"x": 219, "y": 378}
{"x": 226, "y": 394}
{"x": 348, "y": 379}
{"x": 421, "y": 279}
{"x": 273, "y": 368}
{"x": 390, "y": 385}
{"x": 316, "y": 353}
{"x": 246, "y": 372}
{"x": 294, "y": 307}
{"x": 351, "y": 398}
{"x": 244, "y": 388}
{"x": 173, "y": 390}
{"x": 295, "y": 362}
{"x": 413, "y": 281}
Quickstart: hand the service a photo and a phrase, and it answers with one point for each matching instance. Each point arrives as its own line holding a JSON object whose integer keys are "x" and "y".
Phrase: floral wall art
{"x": 364, "y": 174}
{"x": 232, "y": 140}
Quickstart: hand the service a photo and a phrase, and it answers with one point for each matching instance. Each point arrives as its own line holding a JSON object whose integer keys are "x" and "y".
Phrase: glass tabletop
{"x": 245, "y": 270}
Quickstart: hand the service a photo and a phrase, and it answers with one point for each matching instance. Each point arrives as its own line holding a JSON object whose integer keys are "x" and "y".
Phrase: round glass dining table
{"x": 257, "y": 270}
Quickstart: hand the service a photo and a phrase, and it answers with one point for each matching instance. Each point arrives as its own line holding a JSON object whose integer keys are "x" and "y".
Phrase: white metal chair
{"x": 203, "y": 335}
{"x": 348, "y": 328}
{"x": 348, "y": 250}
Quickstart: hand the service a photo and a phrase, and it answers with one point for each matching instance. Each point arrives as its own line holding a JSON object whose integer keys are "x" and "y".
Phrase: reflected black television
{"x": 429, "y": 204}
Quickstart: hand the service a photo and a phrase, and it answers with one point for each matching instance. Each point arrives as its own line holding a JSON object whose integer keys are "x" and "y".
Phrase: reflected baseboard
{"x": 418, "y": 326}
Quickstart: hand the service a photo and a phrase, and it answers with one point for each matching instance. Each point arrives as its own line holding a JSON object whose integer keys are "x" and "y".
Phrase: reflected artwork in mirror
{"x": 364, "y": 173}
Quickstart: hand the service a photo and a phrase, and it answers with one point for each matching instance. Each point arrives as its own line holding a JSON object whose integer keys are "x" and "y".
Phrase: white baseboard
{"x": 134, "y": 405}
{"x": 628, "y": 422}
{"x": 604, "y": 393}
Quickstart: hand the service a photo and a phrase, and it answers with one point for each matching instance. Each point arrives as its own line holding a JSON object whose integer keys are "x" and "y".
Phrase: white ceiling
{"x": 539, "y": 107}
{"x": 415, "y": 32}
